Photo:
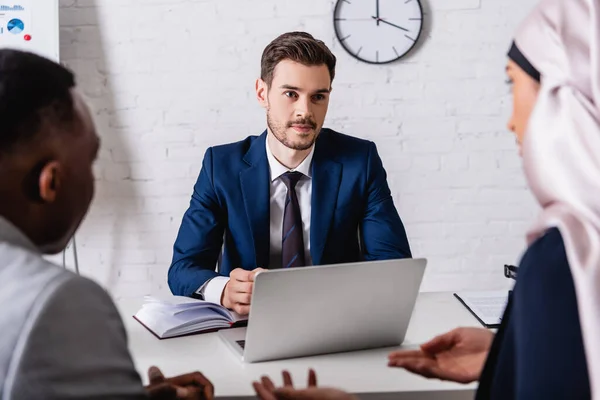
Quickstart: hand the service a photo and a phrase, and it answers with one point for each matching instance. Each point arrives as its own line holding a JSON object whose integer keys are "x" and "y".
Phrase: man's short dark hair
{"x": 33, "y": 91}
{"x": 300, "y": 47}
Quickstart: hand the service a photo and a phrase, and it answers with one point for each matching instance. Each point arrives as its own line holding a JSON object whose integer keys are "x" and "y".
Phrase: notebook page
{"x": 488, "y": 307}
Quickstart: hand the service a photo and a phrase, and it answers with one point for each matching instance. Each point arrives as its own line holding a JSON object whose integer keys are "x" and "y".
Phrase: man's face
{"x": 296, "y": 102}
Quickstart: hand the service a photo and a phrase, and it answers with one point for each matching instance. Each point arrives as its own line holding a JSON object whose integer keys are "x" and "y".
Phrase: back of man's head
{"x": 33, "y": 91}
{"x": 47, "y": 146}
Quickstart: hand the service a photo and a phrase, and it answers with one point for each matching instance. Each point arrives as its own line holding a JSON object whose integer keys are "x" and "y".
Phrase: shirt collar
{"x": 11, "y": 234}
{"x": 277, "y": 169}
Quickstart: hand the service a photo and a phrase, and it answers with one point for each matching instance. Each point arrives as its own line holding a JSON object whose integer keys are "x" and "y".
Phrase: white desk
{"x": 364, "y": 372}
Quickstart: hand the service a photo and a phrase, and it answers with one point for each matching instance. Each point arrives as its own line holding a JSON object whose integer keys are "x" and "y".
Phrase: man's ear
{"x": 50, "y": 181}
{"x": 262, "y": 89}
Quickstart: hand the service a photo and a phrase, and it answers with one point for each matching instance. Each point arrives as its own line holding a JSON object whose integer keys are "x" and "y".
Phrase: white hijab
{"x": 561, "y": 149}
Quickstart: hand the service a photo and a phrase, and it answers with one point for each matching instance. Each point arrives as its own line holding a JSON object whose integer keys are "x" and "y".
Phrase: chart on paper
{"x": 30, "y": 25}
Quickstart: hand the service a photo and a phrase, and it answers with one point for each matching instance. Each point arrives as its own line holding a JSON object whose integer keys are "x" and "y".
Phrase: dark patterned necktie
{"x": 292, "y": 245}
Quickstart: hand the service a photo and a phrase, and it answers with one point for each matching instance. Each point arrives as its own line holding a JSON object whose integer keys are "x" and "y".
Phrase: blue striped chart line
{"x": 12, "y": 8}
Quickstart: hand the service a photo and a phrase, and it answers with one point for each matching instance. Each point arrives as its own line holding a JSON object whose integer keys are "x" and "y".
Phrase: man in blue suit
{"x": 297, "y": 195}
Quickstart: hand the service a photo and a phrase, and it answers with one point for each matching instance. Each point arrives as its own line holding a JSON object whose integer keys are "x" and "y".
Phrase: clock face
{"x": 378, "y": 31}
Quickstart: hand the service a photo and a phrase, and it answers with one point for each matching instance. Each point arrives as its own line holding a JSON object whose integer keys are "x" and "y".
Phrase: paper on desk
{"x": 488, "y": 307}
{"x": 178, "y": 304}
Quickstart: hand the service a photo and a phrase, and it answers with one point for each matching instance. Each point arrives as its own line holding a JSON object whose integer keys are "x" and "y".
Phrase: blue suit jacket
{"x": 353, "y": 216}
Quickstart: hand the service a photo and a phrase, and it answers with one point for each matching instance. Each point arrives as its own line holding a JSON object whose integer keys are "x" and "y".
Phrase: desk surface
{"x": 363, "y": 372}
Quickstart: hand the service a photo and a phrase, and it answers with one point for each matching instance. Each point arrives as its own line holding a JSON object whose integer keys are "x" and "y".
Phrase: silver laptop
{"x": 327, "y": 309}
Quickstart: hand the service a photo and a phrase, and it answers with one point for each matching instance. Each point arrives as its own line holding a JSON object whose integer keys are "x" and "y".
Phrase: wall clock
{"x": 378, "y": 31}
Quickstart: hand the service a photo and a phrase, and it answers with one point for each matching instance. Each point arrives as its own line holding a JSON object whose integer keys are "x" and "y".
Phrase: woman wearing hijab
{"x": 548, "y": 346}
{"x": 549, "y": 343}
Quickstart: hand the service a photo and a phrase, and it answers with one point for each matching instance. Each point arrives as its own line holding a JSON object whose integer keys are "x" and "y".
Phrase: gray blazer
{"x": 61, "y": 336}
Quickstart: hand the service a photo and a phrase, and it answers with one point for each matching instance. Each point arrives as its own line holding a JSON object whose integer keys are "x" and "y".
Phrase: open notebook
{"x": 487, "y": 307}
{"x": 177, "y": 316}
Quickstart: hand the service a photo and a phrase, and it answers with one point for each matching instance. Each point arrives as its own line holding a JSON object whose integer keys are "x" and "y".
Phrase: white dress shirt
{"x": 213, "y": 289}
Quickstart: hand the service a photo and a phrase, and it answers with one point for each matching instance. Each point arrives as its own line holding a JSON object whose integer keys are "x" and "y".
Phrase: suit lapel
{"x": 255, "y": 184}
{"x": 326, "y": 179}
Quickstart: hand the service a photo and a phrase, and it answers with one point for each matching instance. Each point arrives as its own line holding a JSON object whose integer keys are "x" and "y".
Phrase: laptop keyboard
{"x": 241, "y": 343}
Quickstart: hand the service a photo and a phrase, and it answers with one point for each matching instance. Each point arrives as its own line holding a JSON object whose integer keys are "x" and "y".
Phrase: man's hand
{"x": 193, "y": 386}
{"x": 238, "y": 291}
{"x": 458, "y": 356}
{"x": 266, "y": 390}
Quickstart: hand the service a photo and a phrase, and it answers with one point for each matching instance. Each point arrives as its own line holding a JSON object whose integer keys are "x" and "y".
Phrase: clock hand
{"x": 389, "y": 23}
{"x": 377, "y": 11}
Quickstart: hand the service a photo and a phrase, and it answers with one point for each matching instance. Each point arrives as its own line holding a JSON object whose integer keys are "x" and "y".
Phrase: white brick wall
{"x": 168, "y": 78}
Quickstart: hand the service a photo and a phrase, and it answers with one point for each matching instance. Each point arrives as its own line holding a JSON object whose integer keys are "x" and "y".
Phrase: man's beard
{"x": 280, "y": 132}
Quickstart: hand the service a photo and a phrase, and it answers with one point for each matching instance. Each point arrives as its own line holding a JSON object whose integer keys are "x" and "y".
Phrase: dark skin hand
{"x": 192, "y": 386}
{"x": 266, "y": 390}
